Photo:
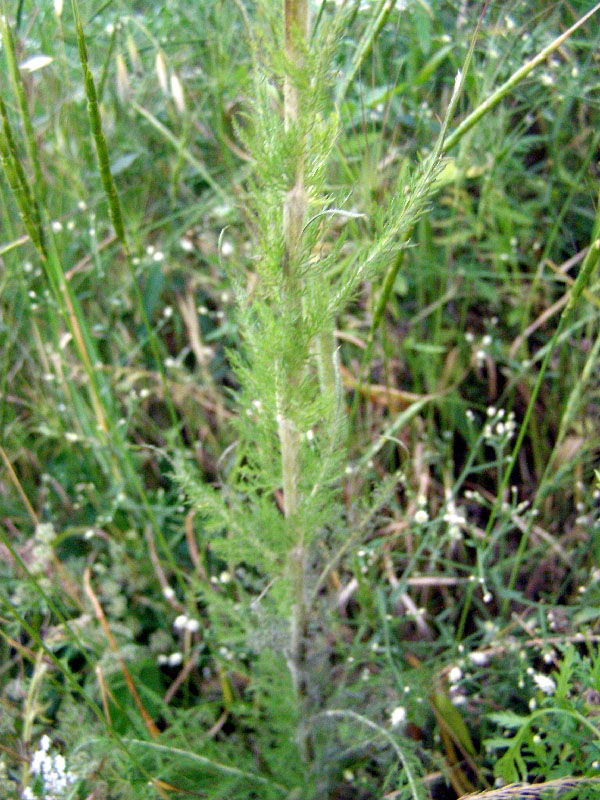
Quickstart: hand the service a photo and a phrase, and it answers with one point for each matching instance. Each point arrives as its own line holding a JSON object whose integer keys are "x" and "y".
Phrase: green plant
{"x": 291, "y": 429}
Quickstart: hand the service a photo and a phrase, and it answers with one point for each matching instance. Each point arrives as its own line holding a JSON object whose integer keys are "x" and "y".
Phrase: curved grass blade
{"x": 516, "y": 78}
{"x": 182, "y": 150}
{"x": 209, "y": 762}
{"x": 413, "y": 780}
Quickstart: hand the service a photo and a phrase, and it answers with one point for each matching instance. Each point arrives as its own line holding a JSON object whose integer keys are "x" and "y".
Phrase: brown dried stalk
{"x": 154, "y": 731}
{"x": 515, "y": 791}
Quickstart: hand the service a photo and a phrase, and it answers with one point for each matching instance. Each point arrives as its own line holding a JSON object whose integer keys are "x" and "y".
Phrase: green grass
{"x": 448, "y": 507}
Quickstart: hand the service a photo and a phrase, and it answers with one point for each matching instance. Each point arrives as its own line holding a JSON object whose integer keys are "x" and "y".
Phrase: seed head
{"x": 161, "y": 72}
{"x": 177, "y": 92}
{"x": 123, "y": 84}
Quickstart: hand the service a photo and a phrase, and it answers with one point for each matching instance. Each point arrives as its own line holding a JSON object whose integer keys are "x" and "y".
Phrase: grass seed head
{"x": 134, "y": 56}
{"x": 161, "y": 72}
{"x": 123, "y": 83}
{"x": 177, "y": 92}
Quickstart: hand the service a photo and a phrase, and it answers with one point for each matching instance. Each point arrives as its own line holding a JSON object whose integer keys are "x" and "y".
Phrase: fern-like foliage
{"x": 289, "y": 400}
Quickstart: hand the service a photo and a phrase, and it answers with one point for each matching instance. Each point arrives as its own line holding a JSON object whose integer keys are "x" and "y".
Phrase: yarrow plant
{"x": 51, "y": 778}
{"x": 292, "y": 432}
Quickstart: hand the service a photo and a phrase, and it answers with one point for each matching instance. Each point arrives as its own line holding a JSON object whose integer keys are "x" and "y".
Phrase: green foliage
{"x": 557, "y": 735}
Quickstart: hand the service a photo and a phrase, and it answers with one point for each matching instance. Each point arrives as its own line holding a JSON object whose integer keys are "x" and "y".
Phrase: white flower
{"x": 398, "y": 716}
{"x": 455, "y": 674}
{"x": 52, "y": 771}
{"x": 175, "y": 659}
{"x": 421, "y": 516}
{"x": 458, "y": 699}
{"x": 478, "y": 658}
{"x": 454, "y": 517}
{"x": 544, "y": 683}
{"x": 192, "y": 626}
{"x": 40, "y": 762}
{"x": 180, "y": 622}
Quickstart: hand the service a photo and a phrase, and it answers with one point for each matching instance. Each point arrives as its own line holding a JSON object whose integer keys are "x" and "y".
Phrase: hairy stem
{"x": 294, "y": 219}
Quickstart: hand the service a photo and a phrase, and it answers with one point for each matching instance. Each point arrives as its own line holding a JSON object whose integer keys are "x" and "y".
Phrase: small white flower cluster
{"x": 226, "y": 653}
{"x": 455, "y": 675}
{"x": 545, "y": 683}
{"x": 155, "y": 255}
{"x": 552, "y": 621}
{"x": 367, "y": 558}
{"x": 479, "y": 658}
{"x": 52, "y": 771}
{"x": 224, "y": 577}
{"x": 481, "y": 352}
{"x": 398, "y": 716}
{"x": 185, "y": 623}
{"x": 501, "y": 427}
{"x": 454, "y": 518}
{"x": 172, "y": 660}
{"x": 422, "y": 515}
{"x": 457, "y": 691}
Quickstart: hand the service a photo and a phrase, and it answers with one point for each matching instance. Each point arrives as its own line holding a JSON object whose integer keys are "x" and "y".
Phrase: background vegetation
{"x": 150, "y": 337}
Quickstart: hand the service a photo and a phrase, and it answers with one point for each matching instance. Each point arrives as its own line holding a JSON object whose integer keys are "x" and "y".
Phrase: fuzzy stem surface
{"x": 296, "y": 19}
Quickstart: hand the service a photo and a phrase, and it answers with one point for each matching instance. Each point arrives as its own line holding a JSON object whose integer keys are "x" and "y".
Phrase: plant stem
{"x": 294, "y": 219}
